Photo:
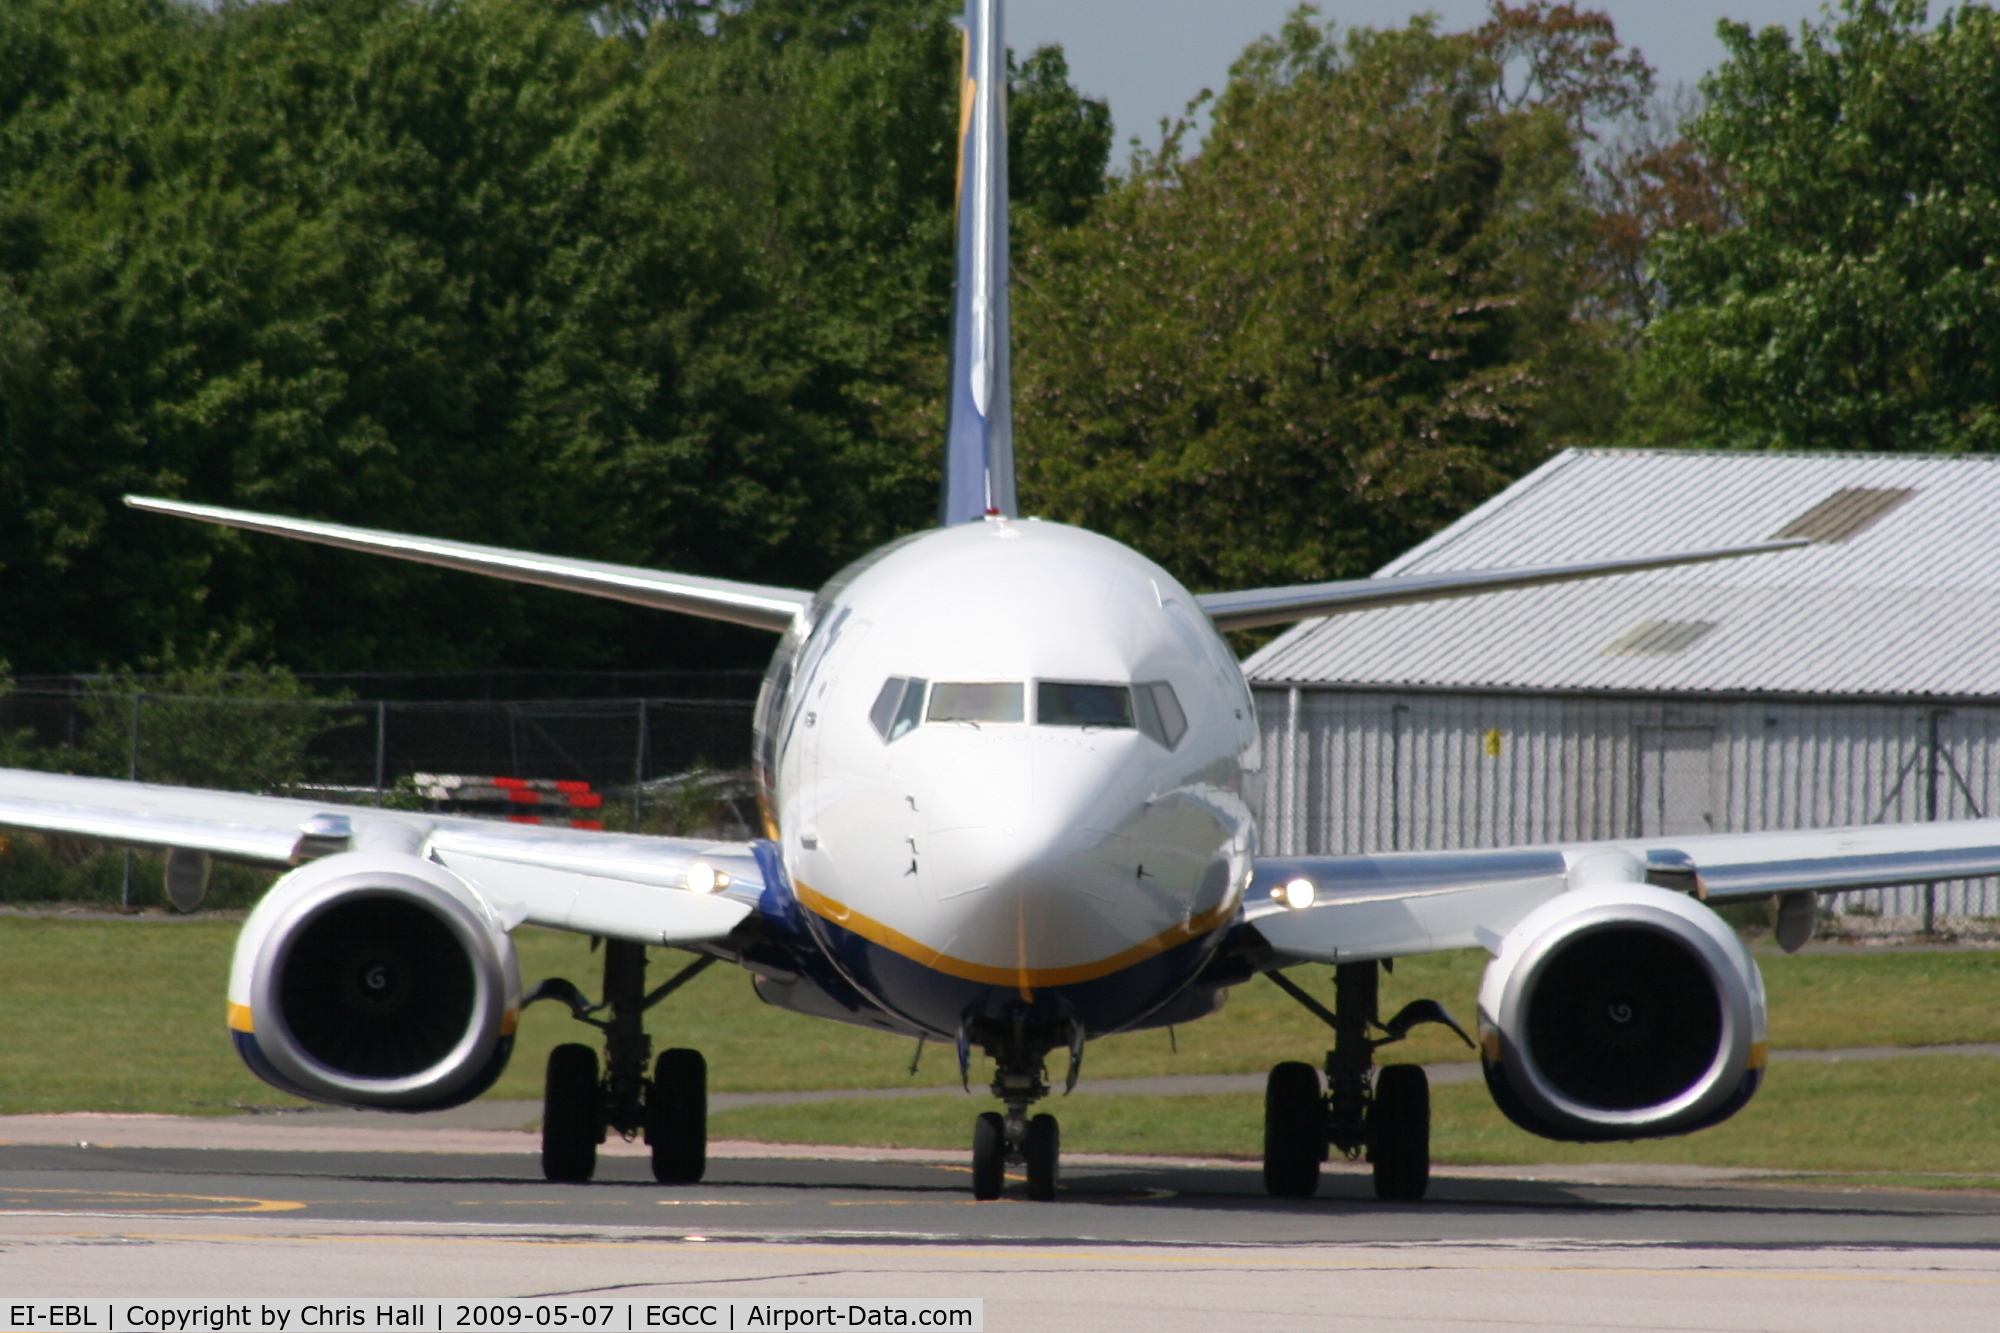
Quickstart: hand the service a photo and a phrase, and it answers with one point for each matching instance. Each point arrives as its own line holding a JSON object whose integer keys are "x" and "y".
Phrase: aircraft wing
{"x": 1254, "y": 607}
{"x": 1391, "y": 904}
{"x": 624, "y": 886}
{"x": 753, "y": 604}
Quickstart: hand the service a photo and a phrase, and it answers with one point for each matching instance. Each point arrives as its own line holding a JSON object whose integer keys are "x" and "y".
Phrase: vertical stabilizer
{"x": 979, "y": 435}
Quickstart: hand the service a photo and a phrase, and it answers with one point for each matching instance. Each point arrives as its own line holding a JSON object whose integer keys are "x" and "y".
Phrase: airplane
{"x": 1008, "y": 772}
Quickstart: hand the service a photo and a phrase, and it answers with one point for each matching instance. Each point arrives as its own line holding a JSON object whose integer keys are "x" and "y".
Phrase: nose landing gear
{"x": 1020, "y": 1052}
{"x": 579, "y": 1109}
{"x": 1383, "y": 1114}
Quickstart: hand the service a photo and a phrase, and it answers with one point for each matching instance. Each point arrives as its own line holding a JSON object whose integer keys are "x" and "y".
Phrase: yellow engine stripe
{"x": 1760, "y": 1054}
{"x": 937, "y": 960}
{"x": 239, "y": 1018}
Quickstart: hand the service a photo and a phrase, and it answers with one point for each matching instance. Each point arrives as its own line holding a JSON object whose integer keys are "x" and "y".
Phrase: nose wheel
{"x": 989, "y": 1156}
{"x": 1037, "y": 1147}
{"x": 1019, "y": 1047}
{"x": 1041, "y": 1153}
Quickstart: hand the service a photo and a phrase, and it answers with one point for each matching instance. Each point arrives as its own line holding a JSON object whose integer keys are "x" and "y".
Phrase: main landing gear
{"x": 580, "y": 1109}
{"x": 1384, "y": 1114}
{"x": 1020, "y": 1078}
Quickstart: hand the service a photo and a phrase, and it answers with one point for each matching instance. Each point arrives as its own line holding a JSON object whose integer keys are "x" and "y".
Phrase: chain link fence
{"x": 269, "y": 744}
{"x": 665, "y": 763}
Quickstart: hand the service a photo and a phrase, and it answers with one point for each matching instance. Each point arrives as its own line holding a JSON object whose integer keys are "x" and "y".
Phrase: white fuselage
{"x": 1028, "y": 814}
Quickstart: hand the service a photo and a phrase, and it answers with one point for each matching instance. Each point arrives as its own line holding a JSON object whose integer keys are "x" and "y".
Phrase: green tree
{"x": 1353, "y": 314}
{"x": 1059, "y": 143}
{"x": 1854, "y": 300}
{"x": 212, "y": 718}
{"x": 17, "y": 744}
{"x": 656, "y": 282}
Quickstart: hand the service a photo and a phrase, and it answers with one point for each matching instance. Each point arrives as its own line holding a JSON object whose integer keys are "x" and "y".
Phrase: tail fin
{"x": 979, "y": 434}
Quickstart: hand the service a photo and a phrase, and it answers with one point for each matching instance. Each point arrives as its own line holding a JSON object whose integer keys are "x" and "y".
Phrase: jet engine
{"x": 1621, "y": 1011}
{"x": 375, "y": 979}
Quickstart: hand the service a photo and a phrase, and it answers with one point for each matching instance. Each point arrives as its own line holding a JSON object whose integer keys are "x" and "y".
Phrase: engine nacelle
{"x": 375, "y": 979}
{"x": 1621, "y": 1011}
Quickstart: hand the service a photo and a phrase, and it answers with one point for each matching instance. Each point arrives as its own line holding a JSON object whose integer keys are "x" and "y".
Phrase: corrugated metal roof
{"x": 1905, "y": 603}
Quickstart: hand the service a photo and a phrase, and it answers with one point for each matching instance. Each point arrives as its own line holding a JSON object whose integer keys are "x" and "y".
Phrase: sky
{"x": 1149, "y": 57}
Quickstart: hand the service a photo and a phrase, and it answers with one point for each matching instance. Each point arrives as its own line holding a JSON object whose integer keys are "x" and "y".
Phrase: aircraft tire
{"x": 1294, "y": 1131}
{"x": 989, "y": 1155}
{"x": 572, "y": 1114}
{"x": 677, "y": 1117}
{"x": 1043, "y": 1150}
{"x": 1399, "y": 1125}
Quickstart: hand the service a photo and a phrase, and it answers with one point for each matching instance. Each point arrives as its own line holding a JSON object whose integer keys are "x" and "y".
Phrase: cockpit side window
{"x": 1061, "y": 703}
{"x": 899, "y": 707}
{"x": 1160, "y": 714}
{"x": 977, "y": 701}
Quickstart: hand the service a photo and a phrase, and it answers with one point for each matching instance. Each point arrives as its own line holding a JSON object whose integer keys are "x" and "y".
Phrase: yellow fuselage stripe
{"x": 1018, "y": 975}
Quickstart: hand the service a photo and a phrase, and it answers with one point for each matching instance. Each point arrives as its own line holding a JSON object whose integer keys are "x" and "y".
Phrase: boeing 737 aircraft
{"x": 1008, "y": 770}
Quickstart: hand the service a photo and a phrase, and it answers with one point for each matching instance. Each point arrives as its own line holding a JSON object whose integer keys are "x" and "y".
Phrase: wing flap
{"x": 753, "y": 604}
{"x": 1252, "y": 608}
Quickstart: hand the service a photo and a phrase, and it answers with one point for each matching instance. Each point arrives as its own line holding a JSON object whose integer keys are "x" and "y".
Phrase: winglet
{"x": 979, "y": 432}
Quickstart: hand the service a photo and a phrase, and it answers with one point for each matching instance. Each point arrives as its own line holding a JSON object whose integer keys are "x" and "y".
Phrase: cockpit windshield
{"x": 1160, "y": 714}
{"x": 1151, "y": 707}
{"x": 976, "y": 701}
{"x": 1061, "y": 703}
{"x": 899, "y": 707}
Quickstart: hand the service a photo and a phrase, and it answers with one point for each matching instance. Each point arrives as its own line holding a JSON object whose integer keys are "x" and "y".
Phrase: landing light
{"x": 701, "y": 877}
{"x": 1298, "y": 893}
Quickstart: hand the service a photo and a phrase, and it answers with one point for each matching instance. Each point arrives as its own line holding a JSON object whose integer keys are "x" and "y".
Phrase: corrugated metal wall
{"x": 1365, "y": 770}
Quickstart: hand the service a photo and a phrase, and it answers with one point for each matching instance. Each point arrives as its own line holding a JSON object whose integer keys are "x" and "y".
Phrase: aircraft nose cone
{"x": 1016, "y": 802}
{"x": 1047, "y": 868}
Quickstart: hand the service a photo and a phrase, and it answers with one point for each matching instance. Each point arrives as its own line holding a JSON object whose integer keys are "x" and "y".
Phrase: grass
{"x": 1915, "y": 1119}
{"x": 118, "y": 1016}
{"x": 127, "y": 1016}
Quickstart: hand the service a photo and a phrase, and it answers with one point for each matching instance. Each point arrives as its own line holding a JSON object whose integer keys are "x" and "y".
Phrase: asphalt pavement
{"x": 1172, "y": 1247}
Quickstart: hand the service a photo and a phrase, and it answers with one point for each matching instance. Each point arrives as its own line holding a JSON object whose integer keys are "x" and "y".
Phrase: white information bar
{"x": 506, "y": 1315}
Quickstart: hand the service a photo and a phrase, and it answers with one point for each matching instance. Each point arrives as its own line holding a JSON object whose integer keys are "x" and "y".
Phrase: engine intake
{"x": 1621, "y": 1012}
{"x": 375, "y": 979}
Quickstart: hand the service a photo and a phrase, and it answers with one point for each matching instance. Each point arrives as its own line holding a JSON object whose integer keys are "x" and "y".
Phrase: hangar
{"x": 1854, "y": 681}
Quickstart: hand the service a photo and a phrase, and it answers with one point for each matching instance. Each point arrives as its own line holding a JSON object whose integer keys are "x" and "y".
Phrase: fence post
{"x": 125, "y": 888}
{"x": 381, "y": 745}
{"x": 639, "y": 771}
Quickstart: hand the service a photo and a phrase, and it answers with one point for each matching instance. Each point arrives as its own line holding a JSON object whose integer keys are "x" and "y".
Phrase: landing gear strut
{"x": 1384, "y": 1114}
{"x": 1020, "y": 1079}
{"x": 579, "y": 1109}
